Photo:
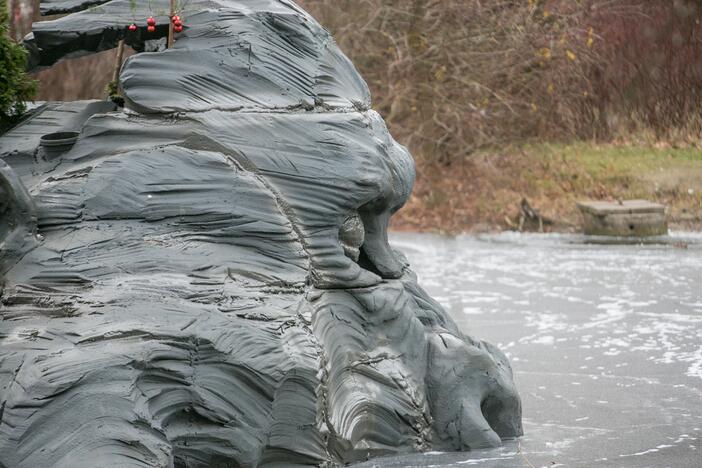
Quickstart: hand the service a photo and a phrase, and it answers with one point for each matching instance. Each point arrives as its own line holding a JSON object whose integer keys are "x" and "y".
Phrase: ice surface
{"x": 606, "y": 342}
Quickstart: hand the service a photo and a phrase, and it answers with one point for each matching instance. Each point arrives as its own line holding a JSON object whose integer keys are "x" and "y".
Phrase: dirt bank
{"x": 483, "y": 192}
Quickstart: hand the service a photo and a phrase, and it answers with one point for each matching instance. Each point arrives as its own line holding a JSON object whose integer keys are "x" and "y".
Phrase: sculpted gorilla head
{"x": 212, "y": 284}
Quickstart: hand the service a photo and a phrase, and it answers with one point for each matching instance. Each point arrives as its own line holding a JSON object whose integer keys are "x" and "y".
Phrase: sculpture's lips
{"x": 365, "y": 241}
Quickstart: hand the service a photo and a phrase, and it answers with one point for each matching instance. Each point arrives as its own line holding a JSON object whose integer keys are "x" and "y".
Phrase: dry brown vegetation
{"x": 451, "y": 76}
{"x": 60, "y": 81}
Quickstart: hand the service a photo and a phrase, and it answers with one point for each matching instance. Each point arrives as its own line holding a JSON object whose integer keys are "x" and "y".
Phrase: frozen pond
{"x": 605, "y": 340}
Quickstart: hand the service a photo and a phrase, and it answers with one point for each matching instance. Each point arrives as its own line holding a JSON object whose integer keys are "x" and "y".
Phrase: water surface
{"x": 605, "y": 340}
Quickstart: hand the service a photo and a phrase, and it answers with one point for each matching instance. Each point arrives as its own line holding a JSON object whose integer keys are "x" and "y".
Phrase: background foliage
{"x": 15, "y": 86}
{"x": 451, "y": 76}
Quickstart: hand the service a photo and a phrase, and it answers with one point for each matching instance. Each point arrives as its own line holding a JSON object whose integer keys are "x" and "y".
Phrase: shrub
{"x": 15, "y": 85}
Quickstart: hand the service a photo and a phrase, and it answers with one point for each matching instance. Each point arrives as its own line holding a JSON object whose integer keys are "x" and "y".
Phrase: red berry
{"x": 175, "y": 18}
{"x": 177, "y": 23}
{"x": 178, "y": 28}
{"x": 132, "y": 27}
{"x": 150, "y": 21}
{"x": 151, "y": 28}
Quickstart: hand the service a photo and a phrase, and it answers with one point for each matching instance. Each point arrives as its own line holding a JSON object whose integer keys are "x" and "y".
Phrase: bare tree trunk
{"x": 170, "y": 24}
{"x": 118, "y": 60}
{"x": 11, "y": 6}
{"x": 22, "y": 13}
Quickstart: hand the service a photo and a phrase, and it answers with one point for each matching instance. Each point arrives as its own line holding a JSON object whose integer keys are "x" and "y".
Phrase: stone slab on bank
{"x": 630, "y": 218}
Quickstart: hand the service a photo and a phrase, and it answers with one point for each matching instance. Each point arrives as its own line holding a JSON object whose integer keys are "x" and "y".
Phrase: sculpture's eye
{"x": 352, "y": 235}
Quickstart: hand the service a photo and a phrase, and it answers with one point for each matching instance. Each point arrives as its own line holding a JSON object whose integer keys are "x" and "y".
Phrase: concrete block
{"x": 631, "y": 218}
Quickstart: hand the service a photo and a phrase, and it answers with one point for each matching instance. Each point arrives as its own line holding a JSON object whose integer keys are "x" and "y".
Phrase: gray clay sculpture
{"x": 204, "y": 278}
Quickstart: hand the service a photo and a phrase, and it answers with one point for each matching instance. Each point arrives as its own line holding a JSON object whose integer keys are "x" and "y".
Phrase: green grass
{"x": 672, "y": 176}
{"x": 604, "y": 162}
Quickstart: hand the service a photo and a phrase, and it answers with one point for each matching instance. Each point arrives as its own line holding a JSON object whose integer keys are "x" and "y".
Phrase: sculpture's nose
{"x": 376, "y": 252}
